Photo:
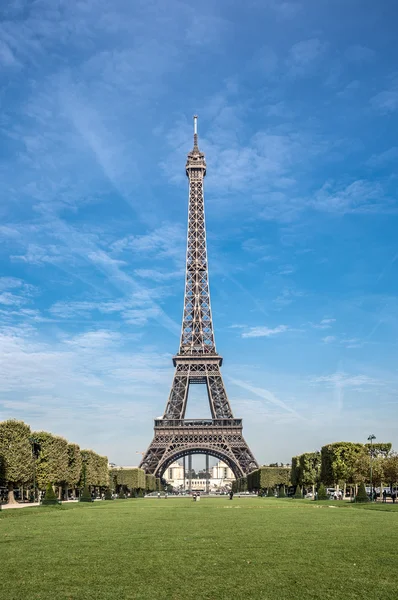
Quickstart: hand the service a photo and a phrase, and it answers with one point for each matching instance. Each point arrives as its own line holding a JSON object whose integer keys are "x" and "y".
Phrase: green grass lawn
{"x": 212, "y": 549}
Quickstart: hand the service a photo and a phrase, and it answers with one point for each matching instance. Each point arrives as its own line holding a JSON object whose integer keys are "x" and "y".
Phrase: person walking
{"x": 231, "y": 495}
{"x": 384, "y": 495}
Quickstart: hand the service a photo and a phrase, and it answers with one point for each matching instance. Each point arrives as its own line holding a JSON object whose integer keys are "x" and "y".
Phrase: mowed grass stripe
{"x": 175, "y": 548}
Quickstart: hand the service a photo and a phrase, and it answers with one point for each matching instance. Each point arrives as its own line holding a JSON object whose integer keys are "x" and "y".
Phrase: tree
{"x": 391, "y": 469}
{"x": 381, "y": 449}
{"x": 295, "y": 475}
{"x": 362, "y": 495}
{"x": 86, "y": 495}
{"x": 265, "y": 478}
{"x": 108, "y": 494}
{"x": 74, "y": 465}
{"x": 50, "y": 497}
{"x": 322, "y": 494}
{"x": 362, "y": 469}
{"x": 16, "y": 455}
{"x": 95, "y": 472}
{"x": 133, "y": 478}
{"x": 298, "y": 493}
{"x": 150, "y": 483}
{"x": 52, "y": 462}
{"x": 310, "y": 466}
{"x": 338, "y": 462}
{"x": 270, "y": 493}
{"x": 282, "y": 492}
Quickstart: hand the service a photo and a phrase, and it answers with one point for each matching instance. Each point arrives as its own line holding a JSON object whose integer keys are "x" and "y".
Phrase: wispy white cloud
{"x": 286, "y": 270}
{"x": 359, "y": 53}
{"x": 284, "y": 10}
{"x": 265, "y": 395}
{"x": 324, "y": 323}
{"x": 262, "y": 331}
{"x": 360, "y": 196}
{"x": 345, "y": 380}
{"x": 304, "y": 56}
{"x": 7, "y": 57}
{"x": 158, "y": 276}
{"x": 385, "y": 102}
{"x": 286, "y": 297}
{"x": 384, "y": 158}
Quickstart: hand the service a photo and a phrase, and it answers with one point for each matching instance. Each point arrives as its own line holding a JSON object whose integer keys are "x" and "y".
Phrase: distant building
{"x": 221, "y": 478}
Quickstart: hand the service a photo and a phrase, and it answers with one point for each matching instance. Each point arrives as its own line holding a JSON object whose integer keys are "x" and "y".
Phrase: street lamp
{"x": 370, "y": 439}
{"x": 35, "y": 455}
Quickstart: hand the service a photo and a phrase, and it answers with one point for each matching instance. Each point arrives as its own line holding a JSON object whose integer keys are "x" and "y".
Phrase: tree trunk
{"x": 11, "y": 497}
{"x": 344, "y": 490}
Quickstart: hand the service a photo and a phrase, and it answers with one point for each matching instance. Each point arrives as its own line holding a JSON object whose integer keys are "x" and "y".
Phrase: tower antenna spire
{"x": 195, "y": 131}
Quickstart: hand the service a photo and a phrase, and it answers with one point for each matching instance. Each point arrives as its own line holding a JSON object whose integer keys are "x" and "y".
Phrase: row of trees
{"x": 132, "y": 480}
{"x": 264, "y": 478}
{"x": 340, "y": 464}
{"x": 346, "y": 464}
{"x": 33, "y": 460}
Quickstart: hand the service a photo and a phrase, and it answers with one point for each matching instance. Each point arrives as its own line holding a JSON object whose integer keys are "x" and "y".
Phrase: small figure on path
{"x": 158, "y": 494}
{"x": 393, "y": 496}
{"x": 384, "y": 495}
{"x": 231, "y": 495}
{"x": 194, "y": 497}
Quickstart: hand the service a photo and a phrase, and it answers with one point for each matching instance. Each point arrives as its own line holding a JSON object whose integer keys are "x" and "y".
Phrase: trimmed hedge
{"x": 50, "y": 498}
{"x": 133, "y": 478}
{"x": 150, "y": 483}
{"x": 362, "y": 496}
{"x": 86, "y": 495}
{"x": 267, "y": 477}
{"x": 298, "y": 493}
{"x": 108, "y": 494}
{"x": 322, "y": 494}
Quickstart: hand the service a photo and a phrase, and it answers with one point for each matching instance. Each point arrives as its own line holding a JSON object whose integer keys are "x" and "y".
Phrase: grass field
{"x": 250, "y": 548}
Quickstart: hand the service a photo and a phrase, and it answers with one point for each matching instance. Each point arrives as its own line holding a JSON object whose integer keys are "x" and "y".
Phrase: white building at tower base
{"x": 221, "y": 478}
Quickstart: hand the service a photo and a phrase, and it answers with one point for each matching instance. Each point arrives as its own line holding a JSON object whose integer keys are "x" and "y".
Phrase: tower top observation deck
{"x": 196, "y": 162}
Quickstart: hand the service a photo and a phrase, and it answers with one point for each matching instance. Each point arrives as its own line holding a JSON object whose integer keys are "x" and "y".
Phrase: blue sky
{"x": 298, "y": 107}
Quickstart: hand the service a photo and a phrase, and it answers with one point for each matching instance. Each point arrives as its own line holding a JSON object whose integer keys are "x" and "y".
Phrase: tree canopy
{"x": 16, "y": 454}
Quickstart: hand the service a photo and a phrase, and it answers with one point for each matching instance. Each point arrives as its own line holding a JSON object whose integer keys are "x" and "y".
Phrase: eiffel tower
{"x": 197, "y": 361}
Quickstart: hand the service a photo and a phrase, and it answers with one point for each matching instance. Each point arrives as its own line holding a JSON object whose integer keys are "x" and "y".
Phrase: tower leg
{"x": 190, "y": 472}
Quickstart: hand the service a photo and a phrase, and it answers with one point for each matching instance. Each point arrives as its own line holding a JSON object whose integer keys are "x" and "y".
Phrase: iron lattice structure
{"x": 197, "y": 361}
